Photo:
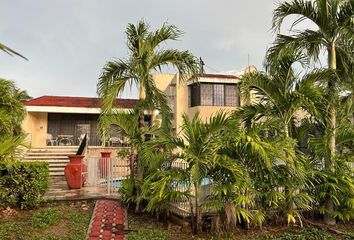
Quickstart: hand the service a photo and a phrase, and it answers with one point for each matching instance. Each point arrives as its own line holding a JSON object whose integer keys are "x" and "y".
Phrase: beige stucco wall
{"x": 207, "y": 111}
{"x": 178, "y": 100}
{"x": 35, "y": 126}
{"x": 93, "y": 151}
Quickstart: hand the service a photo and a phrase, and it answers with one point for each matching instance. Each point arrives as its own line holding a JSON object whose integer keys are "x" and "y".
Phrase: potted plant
{"x": 75, "y": 168}
{"x": 104, "y": 162}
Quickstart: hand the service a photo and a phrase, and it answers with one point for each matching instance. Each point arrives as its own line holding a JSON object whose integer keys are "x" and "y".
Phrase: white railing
{"x": 107, "y": 173}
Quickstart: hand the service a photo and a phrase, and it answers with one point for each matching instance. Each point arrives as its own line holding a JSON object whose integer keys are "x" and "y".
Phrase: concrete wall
{"x": 93, "y": 151}
{"x": 36, "y": 123}
{"x": 35, "y": 126}
{"x": 178, "y": 99}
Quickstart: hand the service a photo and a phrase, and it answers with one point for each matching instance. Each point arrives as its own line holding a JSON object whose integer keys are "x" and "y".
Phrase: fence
{"x": 107, "y": 173}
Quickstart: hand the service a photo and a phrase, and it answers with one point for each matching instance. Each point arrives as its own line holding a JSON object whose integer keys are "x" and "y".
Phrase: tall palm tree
{"x": 335, "y": 35}
{"x": 146, "y": 55}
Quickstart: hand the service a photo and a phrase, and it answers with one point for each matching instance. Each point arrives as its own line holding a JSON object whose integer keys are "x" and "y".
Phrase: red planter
{"x": 104, "y": 163}
{"x": 73, "y": 172}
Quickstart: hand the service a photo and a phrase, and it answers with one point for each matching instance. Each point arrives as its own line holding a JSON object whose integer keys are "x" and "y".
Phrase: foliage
{"x": 305, "y": 234}
{"x": 146, "y": 55}
{"x": 148, "y": 234}
{"x": 22, "y": 184}
{"x": 12, "y": 111}
{"x": 10, "y": 51}
{"x": 286, "y": 151}
{"x": 47, "y": 223}
{"x": 45, "y": 218}
{"x": 333, "y": 36}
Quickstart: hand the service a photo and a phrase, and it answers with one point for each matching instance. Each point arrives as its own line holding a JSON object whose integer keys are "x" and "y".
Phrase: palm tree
{"x": 12, "y": 111}
{"x": 198, "y": 144}
{"x": 334, "y": 34}
{"x": 279, "y": 93}
{"x": 337, "y": 185}
{"x": 10, "y": 51}
{"x": 146, "y": 55}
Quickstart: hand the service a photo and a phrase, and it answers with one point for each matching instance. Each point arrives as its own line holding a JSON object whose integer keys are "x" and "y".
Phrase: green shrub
{"x": 305, "y": 234}
{"x": 147, "y": 234}
{"x": 22, "y": 184}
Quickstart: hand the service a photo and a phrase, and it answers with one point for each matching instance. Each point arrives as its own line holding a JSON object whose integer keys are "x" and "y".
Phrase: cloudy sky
{"x": 68, "y": 41}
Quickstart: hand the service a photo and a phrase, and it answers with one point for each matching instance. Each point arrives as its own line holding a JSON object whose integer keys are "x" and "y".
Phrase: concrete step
{"x": 46, "y": 157}
{"x": 56, "y": 147}
{"x": 47, "y": 160}
{"x": 49, "y": 153}
{"x": 56, "y": 156}
{"x": 57, "y": 165}
{"x": 56, "y": 173}
{"x": 56, "y": 169}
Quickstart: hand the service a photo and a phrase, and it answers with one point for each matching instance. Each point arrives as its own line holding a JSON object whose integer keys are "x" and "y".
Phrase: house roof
{"x": 215, "y": 75}
{"x": 214, "y": 78}
{"x": 78, "y": 102}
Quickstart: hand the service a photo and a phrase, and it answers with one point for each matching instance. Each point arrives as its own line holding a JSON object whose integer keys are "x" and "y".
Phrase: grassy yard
{"x": 146, "y": 228}
{"x": 67, "y": 221}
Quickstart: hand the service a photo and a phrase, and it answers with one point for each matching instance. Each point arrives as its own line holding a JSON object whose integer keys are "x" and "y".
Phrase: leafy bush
{"x": 305, "y": 234}
{"x": 148, "y": 234}
{"x": 22, "y": 184}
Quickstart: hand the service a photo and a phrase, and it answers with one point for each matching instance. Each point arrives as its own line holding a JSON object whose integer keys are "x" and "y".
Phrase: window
{"x": 194, "y": 95}
{"x": 219, "y": 96}
{"x": 212, "y": 94}
{"x": 206, "y": 94}
{"x": 231, "y": 96}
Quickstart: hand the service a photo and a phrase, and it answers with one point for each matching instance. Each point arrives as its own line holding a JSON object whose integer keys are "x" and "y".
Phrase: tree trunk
{"x": 198, "y": 216}
{"x": 131, "y": 163}
{"x": 139, "y": 169}
{"x": 192, "y": 215}
{"x": 286, "y": 130}
{"x": 329, "y": 205}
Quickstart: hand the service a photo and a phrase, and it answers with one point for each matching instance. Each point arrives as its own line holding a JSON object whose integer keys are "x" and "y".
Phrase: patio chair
{"x": 115, "y": 141}
{"x": 51, "y": 141}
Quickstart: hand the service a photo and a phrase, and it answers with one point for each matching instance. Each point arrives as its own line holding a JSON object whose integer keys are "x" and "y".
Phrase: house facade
{"x": 62, "y": 121}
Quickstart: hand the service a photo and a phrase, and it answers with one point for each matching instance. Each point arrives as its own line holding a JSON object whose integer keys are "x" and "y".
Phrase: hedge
{"x": 22, "y": 184}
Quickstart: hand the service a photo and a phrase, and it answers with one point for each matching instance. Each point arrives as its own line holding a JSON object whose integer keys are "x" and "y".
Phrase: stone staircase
{"x": 56, "y": 156}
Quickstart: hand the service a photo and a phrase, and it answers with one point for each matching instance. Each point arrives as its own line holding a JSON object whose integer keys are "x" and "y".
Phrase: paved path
{"x": 58, "y": 190}
{"x": 108, "y": 221}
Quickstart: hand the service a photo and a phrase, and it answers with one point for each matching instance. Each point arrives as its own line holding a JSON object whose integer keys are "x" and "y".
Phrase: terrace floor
{"x": 58, "y": 190}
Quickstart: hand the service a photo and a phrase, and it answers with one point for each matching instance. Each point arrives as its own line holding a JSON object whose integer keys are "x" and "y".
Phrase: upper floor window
{"x": 213, "y": 94}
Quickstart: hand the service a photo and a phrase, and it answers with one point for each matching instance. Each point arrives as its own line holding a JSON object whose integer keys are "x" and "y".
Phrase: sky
{"x": 68, "y": 42}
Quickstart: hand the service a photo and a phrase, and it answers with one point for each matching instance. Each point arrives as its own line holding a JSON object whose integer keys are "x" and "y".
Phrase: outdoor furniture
{"x": 65, "y": 140}
{"x": 51, "y": 141}
{"x": 115, "y": 141}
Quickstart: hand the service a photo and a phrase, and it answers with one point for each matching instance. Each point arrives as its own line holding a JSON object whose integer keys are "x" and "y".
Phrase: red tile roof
{"x": 84, "y": 102}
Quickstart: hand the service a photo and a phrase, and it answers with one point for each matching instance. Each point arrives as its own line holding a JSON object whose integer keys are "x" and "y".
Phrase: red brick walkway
{"x": 108, "y": 221}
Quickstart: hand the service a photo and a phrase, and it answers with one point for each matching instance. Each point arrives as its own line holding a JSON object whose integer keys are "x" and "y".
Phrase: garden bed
{"x": 145, "y": 227}
{"x": 70, "y": 220}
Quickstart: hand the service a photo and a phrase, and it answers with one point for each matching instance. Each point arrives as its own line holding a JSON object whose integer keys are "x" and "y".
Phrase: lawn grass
{"x": 68, "y": 221}
{"x": 146, "y": 228}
